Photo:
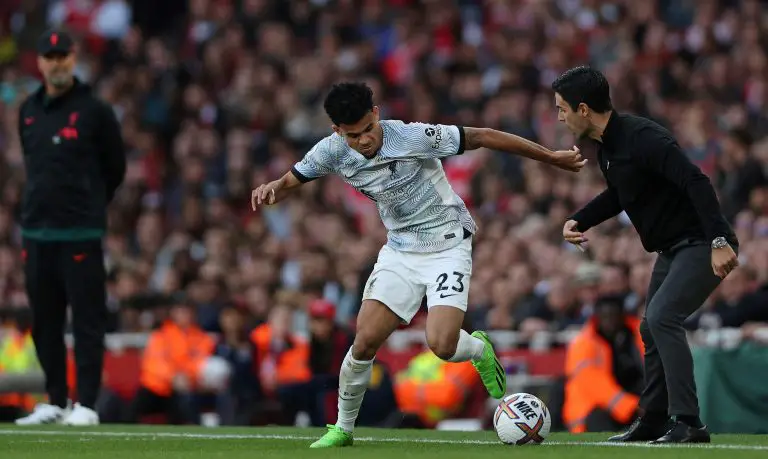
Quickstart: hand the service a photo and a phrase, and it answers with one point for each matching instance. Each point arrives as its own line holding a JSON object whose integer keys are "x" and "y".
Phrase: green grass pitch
{"x": 157, "y": 442}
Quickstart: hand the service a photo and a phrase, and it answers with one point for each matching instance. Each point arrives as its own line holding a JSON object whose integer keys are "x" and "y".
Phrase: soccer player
{"x": 429, "y": 243}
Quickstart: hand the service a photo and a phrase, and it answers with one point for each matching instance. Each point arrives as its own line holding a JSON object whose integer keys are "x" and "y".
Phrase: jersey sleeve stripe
{"x": 302, "y": 178}
{"x": 461, "y": 140}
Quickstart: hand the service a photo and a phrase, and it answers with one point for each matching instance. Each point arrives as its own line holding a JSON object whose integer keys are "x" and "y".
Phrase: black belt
{"x": 683, "y": 243}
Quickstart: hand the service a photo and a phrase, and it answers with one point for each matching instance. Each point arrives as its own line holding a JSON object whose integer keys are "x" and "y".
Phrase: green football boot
{"x": 490, "y": 369}
{"x": 334, "y": 438}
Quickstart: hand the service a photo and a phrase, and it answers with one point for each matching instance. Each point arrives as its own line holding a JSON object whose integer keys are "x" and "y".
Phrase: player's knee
{"x": 443, "y": 345}
{"x": 364, "y": 347}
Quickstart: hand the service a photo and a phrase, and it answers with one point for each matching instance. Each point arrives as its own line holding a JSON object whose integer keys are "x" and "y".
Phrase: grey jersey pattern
{"x": 406, "y": 179}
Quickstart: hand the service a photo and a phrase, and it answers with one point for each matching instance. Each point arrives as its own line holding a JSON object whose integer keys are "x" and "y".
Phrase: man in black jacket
{"x": 674, "y": 208}
{"x": 75, "y": 160}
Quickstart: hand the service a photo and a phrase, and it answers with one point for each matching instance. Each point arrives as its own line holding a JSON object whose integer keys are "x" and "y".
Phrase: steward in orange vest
{"x": 328, "y": 344}
{"x": 603, "y": 369}
{"x": 281, "y": 356}
{"x": 171, "y": 366}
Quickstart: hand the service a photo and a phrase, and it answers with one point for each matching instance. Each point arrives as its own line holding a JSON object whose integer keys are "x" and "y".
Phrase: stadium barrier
{"x": 527, "y": 360}
{"x": 726, "y": 369}
{"x": 504, "y": 340}
{"x": 733, "y": 396}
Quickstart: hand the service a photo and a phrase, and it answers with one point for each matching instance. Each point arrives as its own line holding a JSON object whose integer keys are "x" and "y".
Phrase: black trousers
{"x": 308, "y": 397}
{"x": 682, "y": 280}
{"x": 60, "y": 274}
{"x": 181, "y": 408}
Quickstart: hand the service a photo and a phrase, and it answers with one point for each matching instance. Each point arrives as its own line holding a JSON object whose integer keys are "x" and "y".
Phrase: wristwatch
{"x": 719, "y": 242}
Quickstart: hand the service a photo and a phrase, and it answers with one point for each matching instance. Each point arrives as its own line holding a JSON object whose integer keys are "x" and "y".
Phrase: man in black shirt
{"x": 673, "y": 206}
{"x": 74, "y": 160}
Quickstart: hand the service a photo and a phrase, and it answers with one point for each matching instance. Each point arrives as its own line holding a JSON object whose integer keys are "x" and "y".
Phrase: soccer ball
{"x": 522, "y": 419}
{"x": 214, "y": 374}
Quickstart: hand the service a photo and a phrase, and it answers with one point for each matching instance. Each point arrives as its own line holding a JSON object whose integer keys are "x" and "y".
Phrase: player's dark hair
{"x": 584, "y": 85}
{"x": 348, "y": 103}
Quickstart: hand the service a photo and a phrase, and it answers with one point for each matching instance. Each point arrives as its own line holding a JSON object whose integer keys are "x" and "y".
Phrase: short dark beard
{"x": 60, "y": 84}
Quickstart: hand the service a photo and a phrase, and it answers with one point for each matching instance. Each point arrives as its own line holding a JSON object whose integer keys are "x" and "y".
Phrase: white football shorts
{"x": 400, "y": 280}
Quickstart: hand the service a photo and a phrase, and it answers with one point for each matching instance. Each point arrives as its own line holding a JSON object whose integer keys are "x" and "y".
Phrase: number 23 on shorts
{"x": 450, "y": 284}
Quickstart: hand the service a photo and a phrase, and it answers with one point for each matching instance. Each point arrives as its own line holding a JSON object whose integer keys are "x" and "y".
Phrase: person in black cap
{"x": 75, "y": 160}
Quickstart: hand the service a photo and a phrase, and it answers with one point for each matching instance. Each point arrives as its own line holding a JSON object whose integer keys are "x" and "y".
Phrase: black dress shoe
{"x": 683, "y": 433}
{"x": 642, "y": 431}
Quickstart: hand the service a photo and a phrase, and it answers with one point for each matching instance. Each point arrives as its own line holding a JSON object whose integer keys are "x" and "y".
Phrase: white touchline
{"x": 225, "y": 436}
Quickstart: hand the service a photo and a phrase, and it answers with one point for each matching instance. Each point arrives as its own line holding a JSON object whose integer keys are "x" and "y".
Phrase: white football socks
{"x": 468, "y": 348}
{"x": 353, "y": 381}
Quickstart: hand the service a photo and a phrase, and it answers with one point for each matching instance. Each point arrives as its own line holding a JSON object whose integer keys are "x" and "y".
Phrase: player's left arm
{"x": 493, "y": 139}
{"x": 312, "y": 166}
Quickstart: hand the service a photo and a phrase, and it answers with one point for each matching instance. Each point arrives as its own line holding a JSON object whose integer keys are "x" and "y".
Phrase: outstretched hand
{"x": 573, "y": 235}
{"x": 569, "y": 160}
{"x": 265, "y": 194}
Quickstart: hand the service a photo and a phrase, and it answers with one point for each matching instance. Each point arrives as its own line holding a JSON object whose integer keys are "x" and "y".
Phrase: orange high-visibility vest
{"x": 291, "y": 365}
{"x": 172, "y": 350}
{"x": 590, "y": 383}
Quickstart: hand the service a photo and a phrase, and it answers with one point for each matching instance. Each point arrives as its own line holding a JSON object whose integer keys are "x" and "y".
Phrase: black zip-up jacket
{"x": 666, "y": 196}
{"x": 75, "y": 160}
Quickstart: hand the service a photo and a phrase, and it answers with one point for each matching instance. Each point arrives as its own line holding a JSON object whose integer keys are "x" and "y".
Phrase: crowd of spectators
{"x": 218, "y": 96}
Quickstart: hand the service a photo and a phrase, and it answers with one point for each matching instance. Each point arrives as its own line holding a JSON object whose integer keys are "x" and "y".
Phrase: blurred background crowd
{"x": 218, "y": 96}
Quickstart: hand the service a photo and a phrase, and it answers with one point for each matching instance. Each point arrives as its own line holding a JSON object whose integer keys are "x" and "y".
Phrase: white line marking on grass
{"x": 226, "y": 436}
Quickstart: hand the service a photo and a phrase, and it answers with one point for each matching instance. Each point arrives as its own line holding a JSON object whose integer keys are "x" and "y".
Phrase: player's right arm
{"x": 315, "y": 164}
{"x": 275, "y": 191}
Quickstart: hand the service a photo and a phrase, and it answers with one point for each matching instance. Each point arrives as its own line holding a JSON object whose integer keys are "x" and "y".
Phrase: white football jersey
{"x": 406, "y": 179}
